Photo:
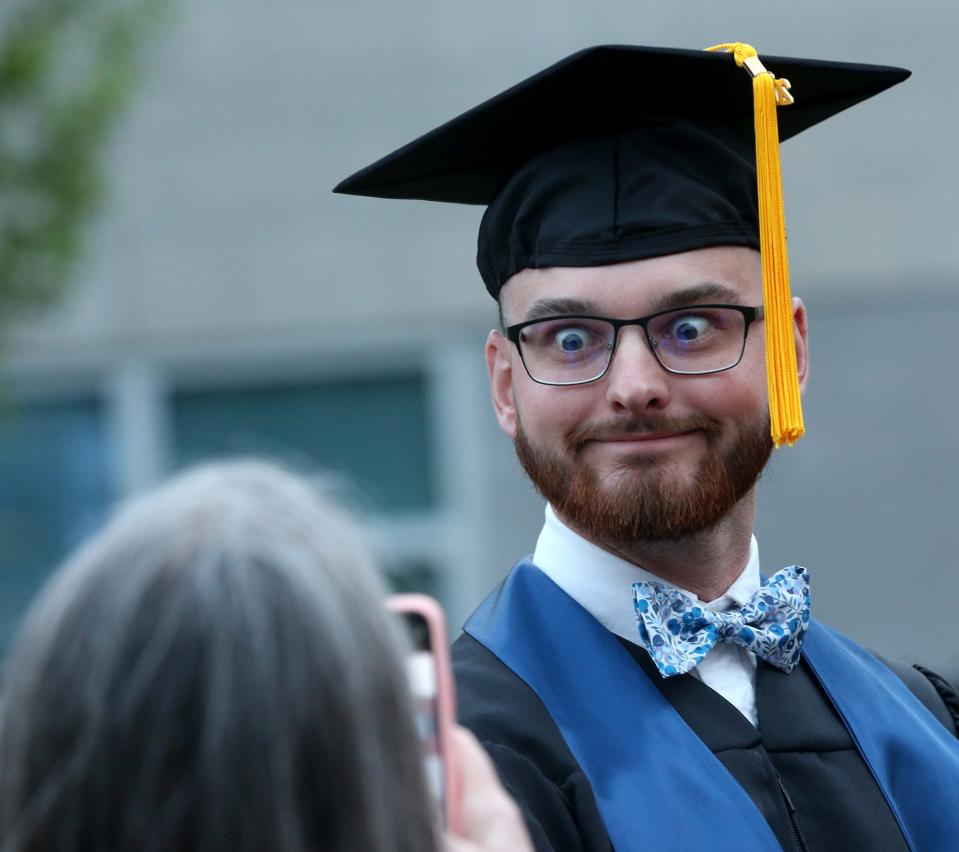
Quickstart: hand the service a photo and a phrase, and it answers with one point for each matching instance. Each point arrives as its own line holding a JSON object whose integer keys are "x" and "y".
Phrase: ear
{"x": 802, "y": 342}
{"x": 499, "y": 365}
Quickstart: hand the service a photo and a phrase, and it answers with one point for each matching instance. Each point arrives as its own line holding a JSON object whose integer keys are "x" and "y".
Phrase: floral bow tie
{"x": 678, "y": 632}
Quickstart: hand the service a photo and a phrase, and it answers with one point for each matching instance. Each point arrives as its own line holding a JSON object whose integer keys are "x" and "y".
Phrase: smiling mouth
{"x": 650, "y": 432}
{"x": 644, "y": 437}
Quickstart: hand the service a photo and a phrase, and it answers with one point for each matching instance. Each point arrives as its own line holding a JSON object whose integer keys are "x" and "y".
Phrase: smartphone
{"x": 431, "y": 682}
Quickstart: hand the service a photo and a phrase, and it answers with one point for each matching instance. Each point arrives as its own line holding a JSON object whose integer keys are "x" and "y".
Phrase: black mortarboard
{"x": 621, "y": 153}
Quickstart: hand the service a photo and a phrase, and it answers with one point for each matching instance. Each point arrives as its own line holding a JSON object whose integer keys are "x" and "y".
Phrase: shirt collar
{"x": 601, "y": 582}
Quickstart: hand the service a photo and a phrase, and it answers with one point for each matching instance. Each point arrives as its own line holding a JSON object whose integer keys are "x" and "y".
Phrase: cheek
{"x": 733, "y": 395}
{"x": 549, "y": 414}
{"x": 752, "y": 383}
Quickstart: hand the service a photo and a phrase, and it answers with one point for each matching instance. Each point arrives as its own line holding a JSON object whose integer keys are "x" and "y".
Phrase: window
{"x": 55, "y": 487}
{"x": 368, "y": 439}
{"x": 373, "y": 432}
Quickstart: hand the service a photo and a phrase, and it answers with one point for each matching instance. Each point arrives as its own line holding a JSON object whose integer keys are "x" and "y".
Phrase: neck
{"x": 706, "y": 563}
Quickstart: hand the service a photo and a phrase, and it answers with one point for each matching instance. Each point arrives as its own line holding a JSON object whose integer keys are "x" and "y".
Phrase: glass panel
{"x": 567, "y": 350}
{"x": 699, "y": 340}
{"x": 374, "y": 432}
{"x": 55, "y": 487}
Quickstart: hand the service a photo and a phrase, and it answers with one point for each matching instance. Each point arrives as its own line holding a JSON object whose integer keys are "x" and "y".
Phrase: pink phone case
{"x": 432, "y": 614}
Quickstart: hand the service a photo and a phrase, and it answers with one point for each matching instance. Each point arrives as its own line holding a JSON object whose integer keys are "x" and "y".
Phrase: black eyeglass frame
{"x": 750, "y": 315}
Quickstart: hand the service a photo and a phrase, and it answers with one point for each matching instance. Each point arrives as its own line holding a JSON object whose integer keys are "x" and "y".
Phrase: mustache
{"x": 650, "y": 424}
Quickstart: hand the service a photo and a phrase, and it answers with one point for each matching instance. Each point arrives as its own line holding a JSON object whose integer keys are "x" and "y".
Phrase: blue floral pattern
{"x": 678, "y": 632}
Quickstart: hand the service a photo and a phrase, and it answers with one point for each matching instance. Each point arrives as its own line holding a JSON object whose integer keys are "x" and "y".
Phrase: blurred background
{"x": 217, "y": 299}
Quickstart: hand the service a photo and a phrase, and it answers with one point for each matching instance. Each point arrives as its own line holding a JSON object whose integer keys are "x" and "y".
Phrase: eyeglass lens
{"x": 688, "y": 340}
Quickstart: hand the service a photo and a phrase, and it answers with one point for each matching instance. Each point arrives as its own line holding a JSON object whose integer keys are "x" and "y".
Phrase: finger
{"x": 451, "y": 843}
{"x": 489, "y": 816}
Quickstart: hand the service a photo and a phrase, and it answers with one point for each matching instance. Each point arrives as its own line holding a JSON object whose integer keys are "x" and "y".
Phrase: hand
{"x": 490, "y": 819}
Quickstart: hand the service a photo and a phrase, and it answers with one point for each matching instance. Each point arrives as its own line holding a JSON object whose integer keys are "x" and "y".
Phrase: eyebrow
{"x": 544, "y": 308}
{"x": 708, "y": 291}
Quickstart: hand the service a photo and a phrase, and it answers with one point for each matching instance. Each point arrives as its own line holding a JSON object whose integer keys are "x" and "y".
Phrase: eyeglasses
{"x": 574, "y": 350}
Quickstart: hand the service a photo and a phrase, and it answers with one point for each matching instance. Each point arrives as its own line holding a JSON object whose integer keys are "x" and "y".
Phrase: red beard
{"x": 650, "y": 501}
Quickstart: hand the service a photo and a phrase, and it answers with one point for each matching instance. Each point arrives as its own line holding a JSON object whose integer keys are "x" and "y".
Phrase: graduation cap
{"x": 621, "y": 153}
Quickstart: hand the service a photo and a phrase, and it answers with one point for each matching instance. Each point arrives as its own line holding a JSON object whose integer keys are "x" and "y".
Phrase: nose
{"x": 636, "y": 382}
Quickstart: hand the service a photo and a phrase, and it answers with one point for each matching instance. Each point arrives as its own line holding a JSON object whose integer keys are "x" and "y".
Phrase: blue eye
{"x": 572, "y": 339}
{"x": 565, "y": 342}
{"x": 690, "y": 328}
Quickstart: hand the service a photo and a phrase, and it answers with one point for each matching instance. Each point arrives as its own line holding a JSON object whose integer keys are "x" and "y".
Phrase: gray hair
{"x": 213, "y": 671}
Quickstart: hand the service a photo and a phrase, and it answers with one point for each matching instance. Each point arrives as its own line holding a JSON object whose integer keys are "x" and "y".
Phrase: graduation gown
{"x": 801, "y": 770}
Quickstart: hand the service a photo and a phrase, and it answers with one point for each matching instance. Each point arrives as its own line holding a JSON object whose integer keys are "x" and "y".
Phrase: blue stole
{"x": 655, "y": 782}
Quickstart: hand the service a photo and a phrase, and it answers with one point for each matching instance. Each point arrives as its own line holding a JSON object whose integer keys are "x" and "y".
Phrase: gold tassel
{"x": 785, "y": 408}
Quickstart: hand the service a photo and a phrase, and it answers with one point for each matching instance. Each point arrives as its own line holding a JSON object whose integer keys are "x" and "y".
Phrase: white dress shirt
{"x": 601, "y": 583}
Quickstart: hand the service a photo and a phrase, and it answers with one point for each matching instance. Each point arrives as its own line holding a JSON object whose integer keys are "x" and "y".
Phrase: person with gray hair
{"x": 215, "y": 671}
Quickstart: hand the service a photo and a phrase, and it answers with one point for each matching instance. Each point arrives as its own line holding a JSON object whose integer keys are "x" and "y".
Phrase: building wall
{"x": 224, "y": 268}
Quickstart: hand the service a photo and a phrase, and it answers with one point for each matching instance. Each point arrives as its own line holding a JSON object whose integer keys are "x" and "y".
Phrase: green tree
{"x": 67, "y": 69}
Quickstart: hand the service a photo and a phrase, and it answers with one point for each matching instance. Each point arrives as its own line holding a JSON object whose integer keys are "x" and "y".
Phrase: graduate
{"x": 638, "y": 680}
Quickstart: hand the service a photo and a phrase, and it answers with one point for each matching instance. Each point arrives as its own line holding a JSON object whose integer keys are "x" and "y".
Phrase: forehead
{"x": 626, "y": 290}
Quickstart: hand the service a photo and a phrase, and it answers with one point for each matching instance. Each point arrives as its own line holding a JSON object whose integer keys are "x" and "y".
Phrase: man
{"x": 637, "y": 682}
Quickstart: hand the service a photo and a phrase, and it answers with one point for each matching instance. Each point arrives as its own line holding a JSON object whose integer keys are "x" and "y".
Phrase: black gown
{"x": 800, "y": 767}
